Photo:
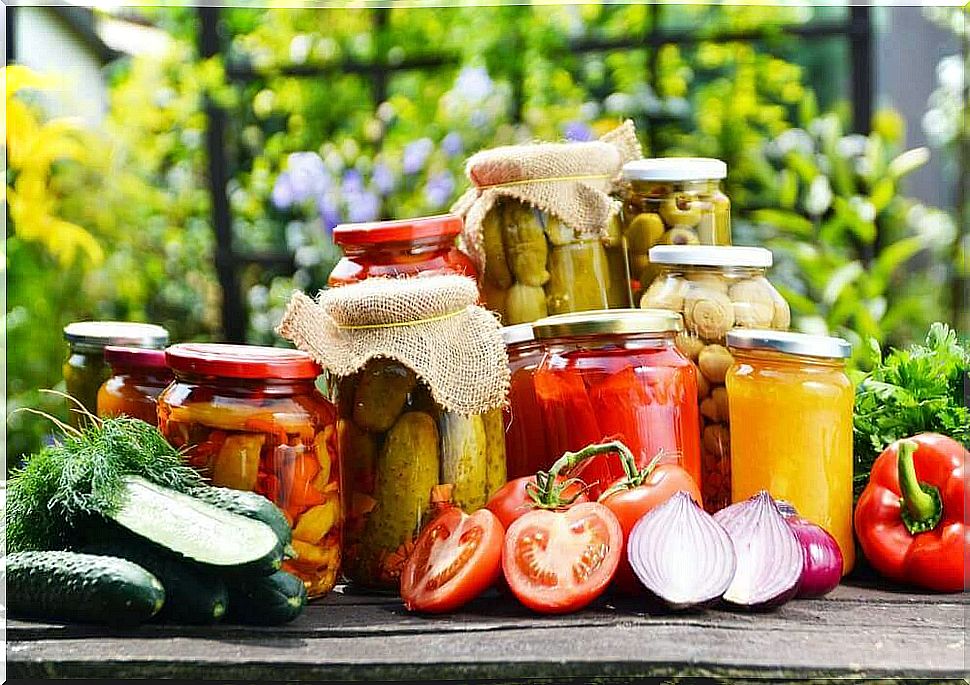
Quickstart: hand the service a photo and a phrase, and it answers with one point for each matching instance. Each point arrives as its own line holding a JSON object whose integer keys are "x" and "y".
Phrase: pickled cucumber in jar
{"x": 579, "y": 278}
{"x": 463, "y": 458}
{"x": 525, "y": 244}
{"x": 382, "y": 388}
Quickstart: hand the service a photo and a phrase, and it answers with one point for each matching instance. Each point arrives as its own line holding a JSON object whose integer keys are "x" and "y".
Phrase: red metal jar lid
{"x": 241, "y": 361}
{"x": 398, "y": 231}
{"x": 137, "y": 357}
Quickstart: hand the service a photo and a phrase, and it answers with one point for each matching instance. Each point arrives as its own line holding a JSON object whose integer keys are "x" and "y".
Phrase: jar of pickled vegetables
{"x": 138, "y": 377}
{"x": 402, "y": 247}
{"x": 672, "y": 201}
{"x": 790, "y": 404}
{"x": 716, "y": 289}
{"x": 420, "y": 375}
{"x": 526, "y": 448}
{"x": 85, "y": 369}
{"x": 617, "y": 375}
{"x": 250, "y": 418}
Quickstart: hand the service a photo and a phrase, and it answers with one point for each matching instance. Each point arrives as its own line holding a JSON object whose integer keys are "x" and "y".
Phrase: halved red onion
{"x": 680, "y": 554}
{"x": 821, "y": 554}
{"x": 769, "y": 555}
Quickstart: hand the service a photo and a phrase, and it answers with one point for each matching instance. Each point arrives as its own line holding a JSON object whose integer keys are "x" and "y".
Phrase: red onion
{"x": 820, "y": 553}
{"x": 769, "y": 556}
{"x": 680, "y": 554}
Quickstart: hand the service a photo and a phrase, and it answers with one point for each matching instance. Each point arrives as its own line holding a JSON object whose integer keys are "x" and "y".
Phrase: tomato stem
{"x": 921, "y": 507}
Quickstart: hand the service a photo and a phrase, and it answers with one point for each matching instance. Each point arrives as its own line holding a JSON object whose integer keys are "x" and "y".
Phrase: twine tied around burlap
{"x": 572, "y": 181}
{"x": 430, "y": 324}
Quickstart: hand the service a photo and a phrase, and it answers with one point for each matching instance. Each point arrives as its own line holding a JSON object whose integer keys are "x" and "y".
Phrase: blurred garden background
{"x": 185, "y": 166}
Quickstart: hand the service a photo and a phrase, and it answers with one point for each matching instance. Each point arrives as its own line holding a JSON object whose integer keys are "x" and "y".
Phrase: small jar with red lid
{"x": 138, "y": 377}
{"x": 251, "y": 418}
{"x": 404, "y": 247}
{"x": 526, "y": 448}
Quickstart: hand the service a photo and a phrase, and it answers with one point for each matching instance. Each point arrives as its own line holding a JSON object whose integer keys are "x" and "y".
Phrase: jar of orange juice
{"x": 790, "y": 404}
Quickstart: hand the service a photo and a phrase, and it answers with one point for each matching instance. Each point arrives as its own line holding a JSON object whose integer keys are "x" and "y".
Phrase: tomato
{"x": 512, "y": 500}
{"x": 630, "y": 504}
{"x": 560, "y": 561}
{"x": 456, "y": 557}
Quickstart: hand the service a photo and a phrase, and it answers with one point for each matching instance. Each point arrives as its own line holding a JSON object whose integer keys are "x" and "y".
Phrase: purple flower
{"x": 308, "y": 175}
{"x": 416, "y": 154}
{"x": 452, "y": 144}
{"x": 282, "y": 195}
{"x": 578, "y": 131}
{"x": 383, "y": 178}
{"x": 329, "y": 210}
{"x": 473, "y": 84}
{"x": 363, "y": 206}
{"x": 353, "y": 182}
{"x": 439, "y": 189}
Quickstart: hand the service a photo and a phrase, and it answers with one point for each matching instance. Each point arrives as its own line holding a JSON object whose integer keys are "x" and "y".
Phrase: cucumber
{"x": 69, "y": 586}
{"x": 206, "y": 534}
{"x": 267, "y": 600}
{"x": 192, "y": 596}
{"x": 250, "y": 505}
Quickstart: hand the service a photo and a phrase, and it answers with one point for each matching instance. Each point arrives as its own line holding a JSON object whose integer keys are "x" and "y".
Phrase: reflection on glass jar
{"x": 404, "y": 247}
{"x": 617, "y": 375}
{"x": 672, "y": 201}
{"x": 85, "y": 369}
{"x": 791, "y": 426}
{"x": 250, "y": 418}
{"x": 138, "y": 377}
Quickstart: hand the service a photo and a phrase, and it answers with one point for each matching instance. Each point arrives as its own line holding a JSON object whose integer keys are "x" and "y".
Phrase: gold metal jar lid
{"x": 608, "y": 322}
{"x": 787, "y": 342}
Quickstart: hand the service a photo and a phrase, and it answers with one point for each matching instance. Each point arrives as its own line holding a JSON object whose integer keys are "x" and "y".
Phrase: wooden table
{"x": 856, "y": 631}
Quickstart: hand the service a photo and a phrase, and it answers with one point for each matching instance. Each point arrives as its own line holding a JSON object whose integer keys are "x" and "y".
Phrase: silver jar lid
{"x": 790, "y": 343}
{"x": 675, "y": 169}
{"x": 517, "y": 333}
{"x": 96, "y": 335}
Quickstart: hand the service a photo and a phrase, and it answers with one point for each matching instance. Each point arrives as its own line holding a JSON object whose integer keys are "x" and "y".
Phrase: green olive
{"x": 681, "y": 210}
{"x": 644, "y": 232}
{"x": 680, "y": 236}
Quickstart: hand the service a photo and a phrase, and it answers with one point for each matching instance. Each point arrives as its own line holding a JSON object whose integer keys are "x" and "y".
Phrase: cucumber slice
{"x": 200, "y": 532}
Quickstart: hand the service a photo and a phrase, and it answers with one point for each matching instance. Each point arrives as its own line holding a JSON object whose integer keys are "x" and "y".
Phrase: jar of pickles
{"x": 401, "y": 247}
{"x": 85, "y": 369}
{"x": 716, "y": 289}
{"x": 617, "y": 375}
{"x": 250, "y": 418}
{"x": 672, "y": 201}
{"x": 138, "y": 377}
{"x": 420, "y": 375}
{"x": 790, "y": 404}
{"x": 526, "y": 447}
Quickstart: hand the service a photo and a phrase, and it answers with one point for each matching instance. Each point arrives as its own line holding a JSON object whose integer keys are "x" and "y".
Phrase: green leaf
{"x": 908, "y": 161}
{"x": 882, "y": 193}
{"x": 843, "y": 277}
{"x": 893, "y": 257}
{"x": 785, "y": 220}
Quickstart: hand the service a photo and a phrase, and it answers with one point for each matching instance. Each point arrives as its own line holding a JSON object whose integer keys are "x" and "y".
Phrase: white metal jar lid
{"x": 711, "y": 255}
{"x": 790, "y": 343}
{"x": 674, "y": 169}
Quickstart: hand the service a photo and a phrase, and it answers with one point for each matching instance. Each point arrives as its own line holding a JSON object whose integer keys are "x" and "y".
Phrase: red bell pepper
{"x": 910, "y": 519}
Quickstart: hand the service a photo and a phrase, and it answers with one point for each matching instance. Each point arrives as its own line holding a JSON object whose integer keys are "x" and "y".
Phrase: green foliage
{"x": 910, "y": 391}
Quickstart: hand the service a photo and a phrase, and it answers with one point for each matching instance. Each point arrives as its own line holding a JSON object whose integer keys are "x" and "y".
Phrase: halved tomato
{"x": 456, "y": 557}
{"x": 560, "y": 561}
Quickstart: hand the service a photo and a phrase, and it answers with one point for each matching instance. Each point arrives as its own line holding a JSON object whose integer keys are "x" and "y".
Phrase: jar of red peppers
{"x": 618, "y": 375}
{"x": 138, "y": 377}
{"x": 250, "y": 418}
{"x": 526, "y": 447}
{"x": 404, "y": 247}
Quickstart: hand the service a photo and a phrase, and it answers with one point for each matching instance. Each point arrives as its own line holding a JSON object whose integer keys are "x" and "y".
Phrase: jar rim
{"x": 517, "y": 334}
{"x": 788, "y": 342}
{"x": 675, "y": 169}
{"x": 608, "y": 322}
{"x": 711, "y": 255}
{"x": 140, "y": 357}
{"x": 241, "y": 361}
{"x": 398, "y": 230}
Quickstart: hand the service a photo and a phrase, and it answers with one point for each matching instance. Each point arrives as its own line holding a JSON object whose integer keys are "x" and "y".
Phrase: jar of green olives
{"x": 672, "y": 201}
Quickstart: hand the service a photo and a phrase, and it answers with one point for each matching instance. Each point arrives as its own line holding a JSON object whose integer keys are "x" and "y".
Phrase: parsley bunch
{"x": 922, "y": 389}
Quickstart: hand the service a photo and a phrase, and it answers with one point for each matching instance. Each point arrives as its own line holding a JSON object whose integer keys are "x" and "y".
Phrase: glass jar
{"x": 715, "y": 289}
{"x": 672, "y": 201}
{"x": 250, "y": 418}
{"x": 138, "y": 377}
{"x": 403, "y": 247}
{"x": 399, "y": 448}
{"x": 85, "y": 369}
{"x": 536, "y": 266}
{"x": 526, "y": 447}
{"x": 791, "y": 426}
{"x": 617, "y": 374}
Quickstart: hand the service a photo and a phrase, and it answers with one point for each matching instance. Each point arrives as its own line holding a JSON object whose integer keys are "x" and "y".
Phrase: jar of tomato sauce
{"x": 85, "y": 369}
{"x": 250, "y": 418}
{"x": 138, "y": 377}
{"x": 617, "y": 374}
{"x": 526, "y": 447}
{"x": 404, "y": 247}
{"x": 791, "y": 425}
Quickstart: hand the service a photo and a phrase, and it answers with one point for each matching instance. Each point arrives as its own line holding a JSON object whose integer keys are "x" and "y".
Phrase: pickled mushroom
{"x": 689, "y": 344}
{"x": 709, "y": 313}
{"x": 720, "y": 397}
{"x": 709, "y": 280}
{"x": 781, "y": 319}
{"x": 714, "y": 362}
{"x": 525, "y": 303}
{"x": 711, "y": 410}
{"x": 665, "y": 293}
{"x": 703, "y": 385}
{"x": 754, "y": 307}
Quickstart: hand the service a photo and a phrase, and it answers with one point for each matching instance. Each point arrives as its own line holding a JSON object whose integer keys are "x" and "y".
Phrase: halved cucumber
{"x": 201, "y": 532}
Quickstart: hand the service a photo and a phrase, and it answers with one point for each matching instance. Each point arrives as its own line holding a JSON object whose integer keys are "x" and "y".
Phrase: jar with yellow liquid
{"x": 790, "y": 403}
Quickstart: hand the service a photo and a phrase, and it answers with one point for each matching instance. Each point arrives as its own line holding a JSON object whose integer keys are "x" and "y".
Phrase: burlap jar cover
{"x": 572, "y": 181}
{"x": 430, "y": 324}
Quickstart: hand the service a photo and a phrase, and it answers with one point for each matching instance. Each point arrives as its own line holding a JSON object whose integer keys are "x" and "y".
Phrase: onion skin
{"x": 681, "y": 555}
{"x": 769, "y": 556}
{"x": 822, "y": 555}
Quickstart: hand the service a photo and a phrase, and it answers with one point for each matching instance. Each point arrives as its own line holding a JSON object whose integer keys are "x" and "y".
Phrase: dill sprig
{"x": 62, "y": 488}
